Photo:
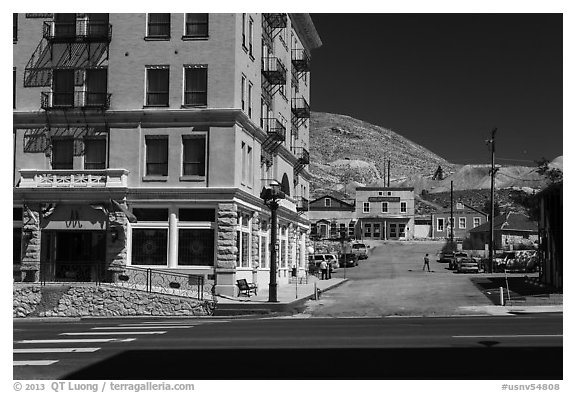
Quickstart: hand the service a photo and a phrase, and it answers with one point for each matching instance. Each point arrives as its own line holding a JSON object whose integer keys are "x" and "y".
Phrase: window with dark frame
{"x": 250, "y": 100}
{"x": 243, "y": 93}
{"x": 156, "y": 155}
{"x": 250, "y": 36}
{"x": 194, "y": 155}
{"x": 157, "y": 86}
{"x": 244, "y": 31}
{"x": 196, "y": 85}
{"x": 94, "y": 153}
{"x": 62, "y": 153}
{"x": 158, "y": 26}
{"x": 403, "y": 207}
{"x": 150, "y": 246}
{"x": 150, "y": 214}
{"x": 15, "y": 26}
{"x": 195, "y": 247}
{"x": 196, "y": 25}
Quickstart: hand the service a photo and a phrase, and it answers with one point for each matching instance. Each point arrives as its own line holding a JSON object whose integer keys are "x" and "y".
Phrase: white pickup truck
{"x": 360, "y": 250}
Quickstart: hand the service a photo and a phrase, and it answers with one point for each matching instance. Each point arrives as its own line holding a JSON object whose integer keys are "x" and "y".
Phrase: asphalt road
{"x": 512, "y": 347}
{"x": 391, "y": 282}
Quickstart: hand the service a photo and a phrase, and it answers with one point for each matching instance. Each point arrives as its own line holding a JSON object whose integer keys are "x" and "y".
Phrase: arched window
{"x": 285, "y": 187}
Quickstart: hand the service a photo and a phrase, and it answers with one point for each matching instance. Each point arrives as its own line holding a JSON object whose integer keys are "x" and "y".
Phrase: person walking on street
{"x": 426, "y": 263}
{"x": 324, "y": 268}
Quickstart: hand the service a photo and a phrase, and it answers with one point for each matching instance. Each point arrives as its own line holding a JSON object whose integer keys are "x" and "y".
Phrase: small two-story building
{"x": 385, "y": 213}
{"x": 464, "y": 218}
{"x": 331, "y": 217}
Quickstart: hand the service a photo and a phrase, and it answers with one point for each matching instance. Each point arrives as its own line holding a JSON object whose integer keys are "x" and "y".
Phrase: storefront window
{"x": 195, "y": 247}
{"x": 149, "y": 246}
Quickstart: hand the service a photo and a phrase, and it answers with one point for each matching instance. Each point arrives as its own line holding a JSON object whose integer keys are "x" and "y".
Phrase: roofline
{"x": 385, "y": 188}
{"x": 333, "y": 197}
{"x": 306, "y": 30}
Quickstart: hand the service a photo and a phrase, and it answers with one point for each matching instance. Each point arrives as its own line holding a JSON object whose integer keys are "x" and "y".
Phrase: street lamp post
{"x": 271, "y": 195}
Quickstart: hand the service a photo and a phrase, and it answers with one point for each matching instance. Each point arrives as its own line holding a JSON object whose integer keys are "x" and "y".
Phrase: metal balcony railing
{"x": 76, "y": 99}
{"x": 274, "y": 129}
{"x": 273, "y": 70}
{"x": 303, "y": 156}
{"x": 300, "y": 60}
{"x": 78, "y": 31}
{"x": 276, "y": 21}
{"x": 302, "y": 204}
{"x": 300, "y": 108}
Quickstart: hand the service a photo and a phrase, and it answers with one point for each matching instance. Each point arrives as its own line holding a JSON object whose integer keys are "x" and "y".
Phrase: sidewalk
{"x": 290, "y": 297}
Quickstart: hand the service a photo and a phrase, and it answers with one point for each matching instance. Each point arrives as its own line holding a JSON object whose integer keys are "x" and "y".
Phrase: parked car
{"x": 360, "y": 250}
{"x": 348, "y": 260}
{"x": 445, "y": 256}
{"x": 458, "y": 256}
{"x": 329, "y": 258}
{"x": 520, "y": 261}
{"x": 468, "y": 264}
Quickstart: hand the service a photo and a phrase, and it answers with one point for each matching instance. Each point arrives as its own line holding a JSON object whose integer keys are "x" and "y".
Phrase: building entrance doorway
{"x": 396, "y": 231}
{"x": 76, "y": 256}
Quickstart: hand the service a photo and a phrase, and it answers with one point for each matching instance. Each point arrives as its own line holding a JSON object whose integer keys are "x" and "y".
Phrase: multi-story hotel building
{"x": 146, "y": 139}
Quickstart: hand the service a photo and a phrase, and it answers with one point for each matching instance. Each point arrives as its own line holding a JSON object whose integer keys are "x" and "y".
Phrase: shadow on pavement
{"x": 518, "y": 286}
{"x": 483, "y": 362}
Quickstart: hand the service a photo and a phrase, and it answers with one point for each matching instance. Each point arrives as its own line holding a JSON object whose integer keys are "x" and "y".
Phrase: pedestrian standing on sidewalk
{"x": 426, "y": 263}
{"x": 329, "y": 270}
{"x": 324, "y": 268}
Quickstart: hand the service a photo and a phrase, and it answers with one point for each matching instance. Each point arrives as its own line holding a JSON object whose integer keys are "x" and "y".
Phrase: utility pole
{"x": 492, "y": 143}
{"x": 388, "y": 173}
{"x": 451, "y": 212}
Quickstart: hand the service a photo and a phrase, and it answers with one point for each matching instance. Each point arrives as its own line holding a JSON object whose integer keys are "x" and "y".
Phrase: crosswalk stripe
{"x": 74, "y": 340}
{"x": 142, "y": 327}
{"x": 33, "y": 362}
{"x": 54, "y": 350}
{"x": 107, "y": 333}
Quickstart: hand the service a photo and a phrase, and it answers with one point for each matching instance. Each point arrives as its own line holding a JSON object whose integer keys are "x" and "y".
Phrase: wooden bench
{"x": 244, "y": 287}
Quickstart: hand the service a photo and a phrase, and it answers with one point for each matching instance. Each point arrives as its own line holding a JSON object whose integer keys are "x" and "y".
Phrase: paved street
{"x": 269, "y": 348}
{"x": 391, "y": 282}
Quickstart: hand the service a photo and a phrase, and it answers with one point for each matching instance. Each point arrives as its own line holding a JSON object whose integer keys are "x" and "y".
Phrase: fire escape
{"x": 72, "y": 60}
{"x": 274, "y": 77}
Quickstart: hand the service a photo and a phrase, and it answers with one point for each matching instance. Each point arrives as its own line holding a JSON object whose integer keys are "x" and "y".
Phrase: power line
{"x": 516, "y": 178}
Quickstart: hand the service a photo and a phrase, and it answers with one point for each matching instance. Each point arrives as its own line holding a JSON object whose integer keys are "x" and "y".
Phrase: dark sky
{"x": 445, "y": 81}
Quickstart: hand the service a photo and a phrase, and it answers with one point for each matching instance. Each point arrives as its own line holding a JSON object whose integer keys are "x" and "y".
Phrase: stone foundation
{"x": 25, "y": 300}
{"x": 79, "y": 301}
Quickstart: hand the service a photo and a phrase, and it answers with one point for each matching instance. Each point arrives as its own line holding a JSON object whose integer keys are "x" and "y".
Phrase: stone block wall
{"x": 79, "y": 301}
{"x": 225, "y": 264}
{"x": 31, "y": 243}
{"x": 25, "y": 300}
{"x": 116, "y": 252}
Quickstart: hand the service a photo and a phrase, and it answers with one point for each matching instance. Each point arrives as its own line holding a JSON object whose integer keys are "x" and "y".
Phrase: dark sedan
{"x": 348, "y": 260}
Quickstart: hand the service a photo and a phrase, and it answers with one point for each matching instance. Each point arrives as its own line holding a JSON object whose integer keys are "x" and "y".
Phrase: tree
{"x": 486, "y": 208}
{"x": 554, "y": 175}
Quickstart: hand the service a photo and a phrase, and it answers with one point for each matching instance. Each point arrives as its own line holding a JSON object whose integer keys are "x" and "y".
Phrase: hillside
{"x": 344, "y": 149}
{"x": 347, "y": 152}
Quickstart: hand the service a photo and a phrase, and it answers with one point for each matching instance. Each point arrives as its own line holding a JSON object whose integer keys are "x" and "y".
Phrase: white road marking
{"x": 54, "y": 350}
{"x": 143, "y": 327}
{"x": 69, "y": 341}
{"x": 107, "y": 333}
{"x": 511, "y": 336}
{"x": 33, "y": 362}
